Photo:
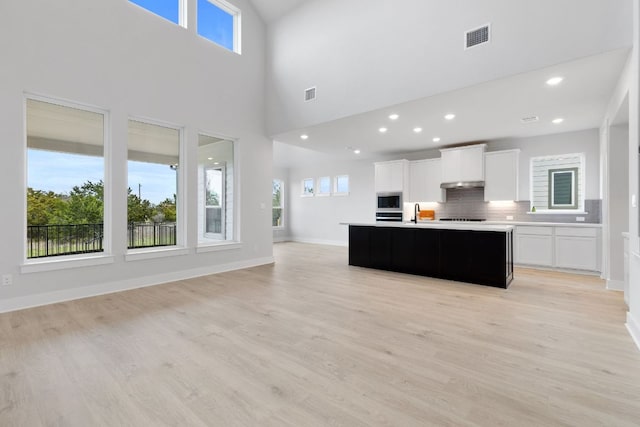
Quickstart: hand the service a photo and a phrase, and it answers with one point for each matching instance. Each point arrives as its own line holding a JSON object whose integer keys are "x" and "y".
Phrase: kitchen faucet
{"x": 416, "y": 209}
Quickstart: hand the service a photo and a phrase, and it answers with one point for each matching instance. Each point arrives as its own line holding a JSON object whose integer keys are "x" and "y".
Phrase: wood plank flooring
{"x": 310, "y": 341}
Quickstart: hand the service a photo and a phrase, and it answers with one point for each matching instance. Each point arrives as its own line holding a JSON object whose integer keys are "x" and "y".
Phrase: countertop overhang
{"x": 436, "y": 225}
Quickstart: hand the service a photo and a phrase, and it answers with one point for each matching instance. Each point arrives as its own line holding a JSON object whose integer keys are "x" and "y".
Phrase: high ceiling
{"x": 487, "y": 111}
{"x": 270, "y": 10}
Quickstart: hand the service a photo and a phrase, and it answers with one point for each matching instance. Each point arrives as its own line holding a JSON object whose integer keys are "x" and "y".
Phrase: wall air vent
{"x": 530, "y": 119}
{"x": 310, "y": 94}
{"x": 477, "y": 36}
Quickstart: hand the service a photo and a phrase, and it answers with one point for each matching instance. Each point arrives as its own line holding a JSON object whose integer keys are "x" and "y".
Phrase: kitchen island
{"x": 473, "y": 253}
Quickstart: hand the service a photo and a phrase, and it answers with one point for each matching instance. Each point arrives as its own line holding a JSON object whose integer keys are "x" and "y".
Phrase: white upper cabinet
{"x": 424, "y": 181}
{"x": 463, "y": 164}
{"x": 392, "y": 176}
{"x": 501, "y": 175}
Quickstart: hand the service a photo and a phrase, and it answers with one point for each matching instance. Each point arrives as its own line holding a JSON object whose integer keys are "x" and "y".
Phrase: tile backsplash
{"x": 469, "y": 203}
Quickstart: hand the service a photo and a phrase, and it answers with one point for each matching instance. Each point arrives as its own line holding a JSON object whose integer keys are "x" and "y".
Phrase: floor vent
{"x": 477, "y": 36}
{"x": 310, "y": 94}
{"x": 530, "y": 119}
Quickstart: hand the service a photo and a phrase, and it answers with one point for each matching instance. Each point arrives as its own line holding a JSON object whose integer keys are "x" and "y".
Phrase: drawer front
{"x": 576, "y": 231}
{"x": 534, "y": 230}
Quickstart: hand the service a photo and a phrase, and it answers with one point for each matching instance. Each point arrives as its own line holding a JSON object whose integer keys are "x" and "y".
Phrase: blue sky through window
{"x": 168, "y": 9}
{"x": 60, "y": 172}
{"x": 215, "y": 24}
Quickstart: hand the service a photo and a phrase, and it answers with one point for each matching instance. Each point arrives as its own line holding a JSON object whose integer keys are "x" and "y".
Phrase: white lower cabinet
{"x": 575, "y": 248}
{"x": 534, "y": 246}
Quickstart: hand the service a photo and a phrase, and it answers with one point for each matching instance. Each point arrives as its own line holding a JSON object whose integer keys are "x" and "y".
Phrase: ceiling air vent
{"x": 310, "y": 94}
{"x": 529, "y": 119}
{"x": 477, "y": 36}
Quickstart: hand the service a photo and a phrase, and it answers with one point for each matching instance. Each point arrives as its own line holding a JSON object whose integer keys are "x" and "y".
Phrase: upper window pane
{"x": 277, "y": 203}
{"x": 65, "y": 174}
{"x": 219, "y": 22}
{"x": 168, "y": 9}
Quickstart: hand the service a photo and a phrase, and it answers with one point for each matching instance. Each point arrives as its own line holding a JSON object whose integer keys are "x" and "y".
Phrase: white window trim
{"x": 318, "y": 193}
{"x": 303, "y": 194}
{"x": 237, "y": 24}
{"x": 69, "y": 261}
{"x": 574, "y": 189}
{"x": 181, "y": 188}
{"x": 581, "y": 205}
{"x": 335, "y": 186}
{"x": 202, "y": 242}
{"x": 282, "y": 226}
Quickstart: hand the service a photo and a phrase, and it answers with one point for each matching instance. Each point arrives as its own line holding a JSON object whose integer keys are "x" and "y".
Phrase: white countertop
{"x": 483, "y": 226}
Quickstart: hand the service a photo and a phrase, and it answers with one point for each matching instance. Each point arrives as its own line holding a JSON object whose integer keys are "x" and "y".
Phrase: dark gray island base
{"x": 467, "y": 255}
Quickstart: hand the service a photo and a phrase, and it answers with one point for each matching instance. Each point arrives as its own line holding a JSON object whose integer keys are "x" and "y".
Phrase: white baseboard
{"x": 281, "y": 239}
{"x": 615, "y": 285}
{"x": 634, "y": 329}
{"x": 20, "y": 303}
{"x": 321, "y": 242}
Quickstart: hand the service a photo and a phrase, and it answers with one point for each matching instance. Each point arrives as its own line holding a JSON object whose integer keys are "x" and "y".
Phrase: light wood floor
{"x": 311, "y": 341}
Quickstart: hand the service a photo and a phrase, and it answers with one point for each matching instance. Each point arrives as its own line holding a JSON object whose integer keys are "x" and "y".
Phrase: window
{"x": 557, "y": 183}
{"x": 65, "y": 179}
{"x": 216, "y": 189}
{"x": 153, "y": 176}
{"x": 562, "y": 183}
{"x": 341, "y": 185}
{"x": 324, "y": 186}
{"x": 307, "y": 187}
{"x": 171, "y": 10}
{"x": 219, "y": 22}
{"x": 277, "y": 203}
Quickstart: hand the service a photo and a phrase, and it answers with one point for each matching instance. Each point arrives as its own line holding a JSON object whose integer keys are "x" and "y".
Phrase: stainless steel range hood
{"x": 463, "y": 184}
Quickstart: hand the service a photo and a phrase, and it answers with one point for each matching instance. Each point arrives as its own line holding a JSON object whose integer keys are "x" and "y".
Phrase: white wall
{"x": 400, "y": 51}
{"x": 627, "y": 90}
{"x": 119, "y": 57}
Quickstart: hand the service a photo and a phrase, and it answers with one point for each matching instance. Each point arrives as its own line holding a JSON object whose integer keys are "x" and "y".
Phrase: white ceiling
{"x": 270, "y": 10}
{"x": 487, "y": 111}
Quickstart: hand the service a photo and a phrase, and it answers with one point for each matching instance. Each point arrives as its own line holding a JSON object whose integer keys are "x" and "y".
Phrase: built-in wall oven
{"x": 389, "y": 207}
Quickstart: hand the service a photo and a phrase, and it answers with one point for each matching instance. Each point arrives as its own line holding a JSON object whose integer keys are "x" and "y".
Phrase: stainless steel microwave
{"x": 389, "y": 202}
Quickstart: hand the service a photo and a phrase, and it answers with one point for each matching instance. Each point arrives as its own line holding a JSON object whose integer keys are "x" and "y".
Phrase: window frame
{"x": 222, "y": 203}
{"x": 236, "y": 13}
{"x": 321, "y": 193}
{"x": 181, "y": 211}
{"x": 281, "y": 207}
{"x": 59, "y": 262}
{"x": 574, "y": 189}
{"x": 335, "y": 185}
{"x": 311, "y": 193}
{"x": 203, "y": 244}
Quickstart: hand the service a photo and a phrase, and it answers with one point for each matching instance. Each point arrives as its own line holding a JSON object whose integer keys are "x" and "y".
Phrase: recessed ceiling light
{"x": 450, "y": 116}
{"x": 304, "y": 136}
{"x": 216, "y": 163}
{"x": 557, "y": 121}
{"x": 436, "y": 139}
{"x": 554, "y": 81}
{"x": 356, "y": 151}
{"x": 209, "y": 158}
{"x": 417, "y": 130}
{"x": 382, "y": 130}
{"x": 394, "y": 116}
